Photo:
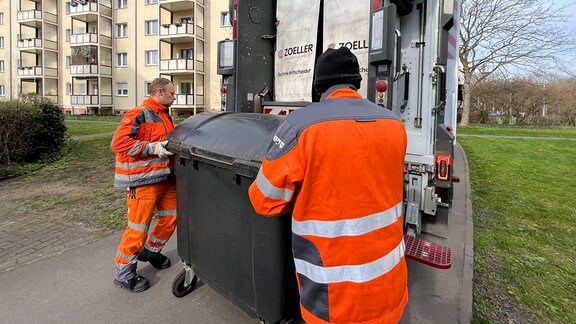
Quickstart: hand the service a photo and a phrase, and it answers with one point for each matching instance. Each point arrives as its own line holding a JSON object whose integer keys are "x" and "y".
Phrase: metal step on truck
{"x": 408, "y": 57}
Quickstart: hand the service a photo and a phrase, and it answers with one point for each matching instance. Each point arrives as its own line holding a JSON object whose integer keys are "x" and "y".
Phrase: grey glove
{"x": 158, "y": 148}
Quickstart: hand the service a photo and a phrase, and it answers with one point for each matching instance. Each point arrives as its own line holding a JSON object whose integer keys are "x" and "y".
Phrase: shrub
{"x": 30, "y": 130}
{"x": 51, "y": 136}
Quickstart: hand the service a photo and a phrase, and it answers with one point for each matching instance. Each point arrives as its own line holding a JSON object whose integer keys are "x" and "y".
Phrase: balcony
{"x": 177, "y": 66}
{"x": 89, "y": 70}
{"x": 183, "y": 100}
{"x": 177, "y": 33}
{"x": 30, "y": 45}
{"x": 84, "y": 39}
{"x": 31, "y": 18}
{"x": 178, "y": 5}
{"x": 30, "y": 71}
{"x": 90, "y": 100}
{"x": 87, "y": 12}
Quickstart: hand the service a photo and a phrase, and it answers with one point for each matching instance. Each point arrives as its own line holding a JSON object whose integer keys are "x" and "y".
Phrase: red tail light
{"x": 443, "y": 165}
{"x": 234, "y": 14}
{"x": 376, "y": 4}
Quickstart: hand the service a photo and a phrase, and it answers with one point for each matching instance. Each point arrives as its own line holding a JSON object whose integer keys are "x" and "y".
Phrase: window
{"x": 151, "y": 57}
{"x": 2, "y": 90}
{"x": 122, "y": 30}
{"x": 68, "y": 88}
{"x": 151, "y": 27}
{"x": 186, "y": 88}
{"x": 2, "y": 67}
{"x": 186, "y": 20}
{"x": 1, "y": 18}
{"x": 68, "y": 61}
{"x": 81, "y": 88}
{"x": 1, "y": 41}
{"x": 149, "y": 2}
{"x": 68, "y": 33}
{"x": 120, "y": 4}
{"x": 121, "y": 59}
{"x": 147, "y": 88}
{"x": 121, "y": 89}
{"x": 187, "y": 53}
{"x": 225, "y": 19}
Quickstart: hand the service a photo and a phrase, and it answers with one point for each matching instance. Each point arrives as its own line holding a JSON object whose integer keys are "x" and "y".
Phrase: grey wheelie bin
{"x": 221, "y": 240}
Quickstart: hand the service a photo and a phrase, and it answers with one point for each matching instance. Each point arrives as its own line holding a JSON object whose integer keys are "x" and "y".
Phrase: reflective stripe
{"x": 127, "y": 258}
{"x": 138, "y": 227}
{"x": 134, "y": 150}
{"x": 140, "y": 164}
{"x": 270, "y": 191}
{"x": 171, "y": 212}
{"x": 348, "y": 227}
{"x": 153, "y": 238}
{"x": 135, "y": 177}
{"x": 353, "y": 273}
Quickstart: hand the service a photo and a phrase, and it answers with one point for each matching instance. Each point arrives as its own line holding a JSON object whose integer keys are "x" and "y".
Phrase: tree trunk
{"x": 465, "y": 120}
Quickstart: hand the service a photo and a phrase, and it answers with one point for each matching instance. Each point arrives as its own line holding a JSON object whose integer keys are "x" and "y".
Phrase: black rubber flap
{"x": 226, "y": 137}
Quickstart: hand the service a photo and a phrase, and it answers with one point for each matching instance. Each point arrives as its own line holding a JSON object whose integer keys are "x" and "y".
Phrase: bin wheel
{"x": 178, "y": 288}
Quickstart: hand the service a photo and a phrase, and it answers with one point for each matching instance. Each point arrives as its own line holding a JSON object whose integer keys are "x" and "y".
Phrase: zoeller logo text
{"x": 278, "y": 141}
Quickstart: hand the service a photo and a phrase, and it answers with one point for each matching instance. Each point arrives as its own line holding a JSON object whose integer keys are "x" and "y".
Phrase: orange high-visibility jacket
{"x": 147, "y": 123}
{"x": 339, "y": 165}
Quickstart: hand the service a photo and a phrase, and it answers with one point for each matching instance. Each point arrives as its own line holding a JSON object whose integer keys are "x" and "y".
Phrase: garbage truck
{"x": 408, "y": 56}
{"x": 407, "y": 52}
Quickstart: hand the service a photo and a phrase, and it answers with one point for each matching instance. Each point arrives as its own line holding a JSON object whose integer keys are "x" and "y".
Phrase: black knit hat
{"x": 336, "y": 66}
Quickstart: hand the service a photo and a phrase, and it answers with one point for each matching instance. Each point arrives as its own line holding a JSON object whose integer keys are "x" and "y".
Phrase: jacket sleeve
{"x": 124, "y": 141}
{"x": 275, "y": 188}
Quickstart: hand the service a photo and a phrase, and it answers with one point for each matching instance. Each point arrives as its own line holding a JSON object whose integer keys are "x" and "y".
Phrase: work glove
{"x": 158, "y": 148}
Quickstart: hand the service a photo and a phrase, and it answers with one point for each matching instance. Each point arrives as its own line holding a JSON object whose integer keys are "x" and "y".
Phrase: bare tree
{"x": 507, "y": 37}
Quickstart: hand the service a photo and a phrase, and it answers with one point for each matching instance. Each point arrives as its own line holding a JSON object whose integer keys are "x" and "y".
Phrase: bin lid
{"x": 227, "y": 137}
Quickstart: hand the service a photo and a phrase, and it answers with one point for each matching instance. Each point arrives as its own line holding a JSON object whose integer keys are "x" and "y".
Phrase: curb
{"x": 468, "y": 268}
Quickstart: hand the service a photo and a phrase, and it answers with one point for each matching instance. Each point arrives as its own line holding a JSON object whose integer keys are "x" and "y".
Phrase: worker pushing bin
{"x": 221, "y": 240}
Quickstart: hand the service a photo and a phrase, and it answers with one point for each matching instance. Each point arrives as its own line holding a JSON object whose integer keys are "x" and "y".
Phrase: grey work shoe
{"x": 136, "y": 284}
{"x": 156, "y": 259}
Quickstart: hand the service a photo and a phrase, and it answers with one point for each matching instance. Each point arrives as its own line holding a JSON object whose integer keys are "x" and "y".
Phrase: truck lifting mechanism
{"x": 408, "y": 55}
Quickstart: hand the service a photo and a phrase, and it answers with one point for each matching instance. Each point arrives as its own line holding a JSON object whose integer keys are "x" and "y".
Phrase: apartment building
{"x": 99, "y": 56}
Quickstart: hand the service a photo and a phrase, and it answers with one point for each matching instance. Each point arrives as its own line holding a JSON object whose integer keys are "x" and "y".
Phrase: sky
{"x": 571, "y": 11}
{"x": 571, "y": 21}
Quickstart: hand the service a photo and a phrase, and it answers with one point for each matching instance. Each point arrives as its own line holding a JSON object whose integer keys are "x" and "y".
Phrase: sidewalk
{"x": 71, "y": 284}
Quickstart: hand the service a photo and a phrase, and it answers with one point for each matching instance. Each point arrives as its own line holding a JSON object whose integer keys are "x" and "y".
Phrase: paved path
{"x": 27, "y": 239}
{"x": 544, "y": 138}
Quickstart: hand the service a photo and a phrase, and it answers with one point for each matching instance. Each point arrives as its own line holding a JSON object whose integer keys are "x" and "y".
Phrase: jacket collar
{"x": 154, "y": 105}
{"x": 341, "y": 91}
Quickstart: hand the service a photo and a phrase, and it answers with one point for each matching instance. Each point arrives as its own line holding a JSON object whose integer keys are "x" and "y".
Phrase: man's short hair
{"x": 158, "y": 83}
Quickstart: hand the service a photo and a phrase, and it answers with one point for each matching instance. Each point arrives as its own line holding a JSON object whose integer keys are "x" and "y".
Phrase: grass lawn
{"x": 478, "y": 129}
{"x": 76, "y": 128}
{"x": 523, "y": 194}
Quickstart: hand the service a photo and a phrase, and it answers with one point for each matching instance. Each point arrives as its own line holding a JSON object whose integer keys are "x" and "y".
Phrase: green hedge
{"x": 30, "y": 129}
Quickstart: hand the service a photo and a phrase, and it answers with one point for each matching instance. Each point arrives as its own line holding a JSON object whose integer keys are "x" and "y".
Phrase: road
{"x": 76, "y": 286}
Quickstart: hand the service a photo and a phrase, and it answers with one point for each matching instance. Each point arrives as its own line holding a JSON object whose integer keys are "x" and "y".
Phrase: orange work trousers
{"x": 142, "y": 201}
